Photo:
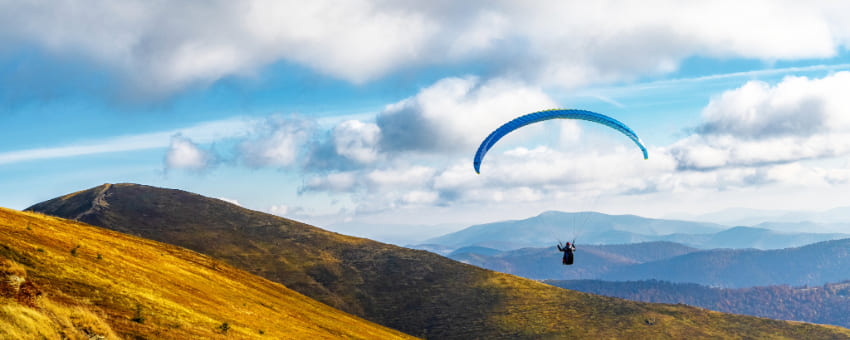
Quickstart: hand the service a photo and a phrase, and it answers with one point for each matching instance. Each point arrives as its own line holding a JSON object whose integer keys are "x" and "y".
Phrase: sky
{"x": 367, "y": 114}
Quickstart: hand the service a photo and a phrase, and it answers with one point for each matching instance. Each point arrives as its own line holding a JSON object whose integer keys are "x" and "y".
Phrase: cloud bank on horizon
{"x": 500, "y": 60}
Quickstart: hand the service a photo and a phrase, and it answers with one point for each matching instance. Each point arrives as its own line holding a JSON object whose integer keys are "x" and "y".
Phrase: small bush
{"x": 28, "y": 294}
{"x": 224, "y": 327}
{"x": 74, "y": 250}
{"x": 137, "y": 317}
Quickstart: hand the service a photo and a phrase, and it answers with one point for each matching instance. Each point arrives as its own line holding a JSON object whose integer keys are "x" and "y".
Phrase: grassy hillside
{"x": 64, "y": 279}
{"x": 414, "y": 291}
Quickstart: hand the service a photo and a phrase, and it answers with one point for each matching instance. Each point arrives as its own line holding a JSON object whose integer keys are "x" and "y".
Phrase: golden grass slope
{"x": 97, "y": 282}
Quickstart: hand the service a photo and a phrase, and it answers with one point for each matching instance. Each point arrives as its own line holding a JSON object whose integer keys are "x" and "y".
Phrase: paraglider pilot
{"x": 568, "y": 253}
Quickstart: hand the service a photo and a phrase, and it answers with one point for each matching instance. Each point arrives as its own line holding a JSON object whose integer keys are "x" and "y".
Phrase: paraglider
{"x": 568, "y": 252}
{"x": 540, "y": 116}
{"x": 553, "y": 114}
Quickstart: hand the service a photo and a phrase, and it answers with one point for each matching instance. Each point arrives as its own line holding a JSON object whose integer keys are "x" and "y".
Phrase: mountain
{"x": 61, "y": 279}
{"x": 593, "y": 228}
{"x": 814, "y": 264}
{"x": 591, "y": 261}
{"x": 753, "y": 237}
{"x": 827, "y": 304}
{"x": 749, "y": 217}
{"x": 740, "y": 216}
{"x": 796, "y": 227}
{"x": 545, "y": 229}
{"x": 414, "y": 291}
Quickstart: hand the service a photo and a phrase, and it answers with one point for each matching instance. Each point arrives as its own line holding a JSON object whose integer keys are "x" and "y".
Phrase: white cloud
{"x": 231, "y": 201}
{"x": 334, "y": 182}
{"x": 279, "y": 210}
{"x": 420, "y": 197}
{"x": 796, "y": 119}
{"x": 456, "y": 114}
{"x": 202, "y": 133}
{"x": 186, "y": 155}
{"x": 277, "y": 142}
{"x": 399, "y": 177}
{"x": 162, "y": 47}
{"x": 357, "y": 141}
{"x": 756, "y": 136}
{"x": 657, "y": 35}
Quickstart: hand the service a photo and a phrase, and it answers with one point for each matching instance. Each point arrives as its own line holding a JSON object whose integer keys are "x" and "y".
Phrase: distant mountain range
{"x": 753, "y": 217}
{"x": 591, "y": 261}
{"x": 590, "y": 227}
{"x": 596, "y": 228}
{"x": 417, "y": 292}
{"x": 826, "y": 304}
{"x": 814, "y": 264}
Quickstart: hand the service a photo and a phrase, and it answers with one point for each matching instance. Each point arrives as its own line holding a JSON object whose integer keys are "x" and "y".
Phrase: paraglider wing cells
{"x": 552, "y": 114}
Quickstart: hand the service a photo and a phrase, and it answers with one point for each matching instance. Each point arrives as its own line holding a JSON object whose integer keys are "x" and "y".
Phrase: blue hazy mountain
{"x": 595, "y": 228}
{"x": 814, "y": 264}
{"x": 592, "y": 261}
{"x": 752, "y": 237}
{"x": 590, "y": 227}
{"x": 751, "y": 217}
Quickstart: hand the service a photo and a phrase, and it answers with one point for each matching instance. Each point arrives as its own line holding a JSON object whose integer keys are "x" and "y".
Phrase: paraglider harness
{"x": 568, "y": 252}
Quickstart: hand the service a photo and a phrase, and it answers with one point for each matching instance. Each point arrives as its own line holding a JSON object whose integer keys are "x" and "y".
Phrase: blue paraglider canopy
{"x": 553, "y": 114}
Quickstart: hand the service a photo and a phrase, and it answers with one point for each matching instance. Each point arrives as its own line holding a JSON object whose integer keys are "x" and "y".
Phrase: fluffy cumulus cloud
{"x": 162, "y": 47}
{"x": 754, "y": 136}
{"x": 518, "y": 175}
{"x": 796, "y": 119}
{"x": 456, "y": 114}
{"x": 449, "y": 117}
{"x": 357, "y": 140}
{"x": 351, "y": 144}
{"x": 417, "y": 151}
{"x": 277, "y": 142}
{"x": 184, "y": 154}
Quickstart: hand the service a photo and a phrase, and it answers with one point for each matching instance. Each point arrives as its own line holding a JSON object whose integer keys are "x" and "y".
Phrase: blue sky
{"x": 369, "y": 112}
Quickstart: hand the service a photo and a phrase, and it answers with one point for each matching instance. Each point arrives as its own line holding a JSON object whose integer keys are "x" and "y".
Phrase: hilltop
{"x": 414, "y": 291}
{"x": 64, "y": 279}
